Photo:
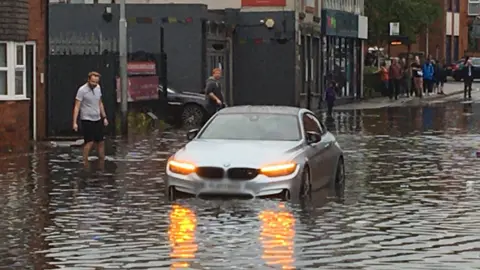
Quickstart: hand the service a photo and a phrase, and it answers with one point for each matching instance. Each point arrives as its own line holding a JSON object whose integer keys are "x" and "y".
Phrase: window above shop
{"x": 473, "y": 7}
{"x": 353, "y": 6}
{"x": 12, "y": 71}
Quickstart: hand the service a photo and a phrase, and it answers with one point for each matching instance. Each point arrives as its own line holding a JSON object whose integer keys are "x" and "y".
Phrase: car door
{"x": 316, "y": 153}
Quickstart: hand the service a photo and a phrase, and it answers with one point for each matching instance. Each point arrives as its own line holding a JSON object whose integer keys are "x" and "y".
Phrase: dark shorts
{"x": 93, "y": 131}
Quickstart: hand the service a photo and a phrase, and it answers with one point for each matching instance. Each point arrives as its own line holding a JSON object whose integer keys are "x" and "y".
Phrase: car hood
{"x": 219, "y": 153}
{"x": 191, "y": 95}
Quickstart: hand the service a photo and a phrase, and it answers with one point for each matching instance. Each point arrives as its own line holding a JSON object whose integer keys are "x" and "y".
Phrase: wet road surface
{"x": 411, "y": 202}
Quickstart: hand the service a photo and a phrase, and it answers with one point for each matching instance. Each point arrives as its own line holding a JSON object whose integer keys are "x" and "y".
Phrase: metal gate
{"x": 66, "y": 74}
{"x": 217, "y": 55}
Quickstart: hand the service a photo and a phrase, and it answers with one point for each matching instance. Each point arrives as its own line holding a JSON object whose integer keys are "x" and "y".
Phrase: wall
{"x": 13, "y": 20}
{"x": 37, "y": 33}
{"x": 264, "y": 71}
{"x": 14, "y": 128}
{"x": 212, "y": 4}
{"x": 182, "y": 41}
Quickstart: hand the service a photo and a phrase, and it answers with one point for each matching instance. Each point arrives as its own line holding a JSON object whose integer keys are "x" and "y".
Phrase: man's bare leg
{"x": 101, "y": 154}
{"x": 86, "y": 152}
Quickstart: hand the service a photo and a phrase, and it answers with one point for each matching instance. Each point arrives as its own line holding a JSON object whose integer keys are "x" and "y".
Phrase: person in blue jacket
{"x": 428, "y": 70}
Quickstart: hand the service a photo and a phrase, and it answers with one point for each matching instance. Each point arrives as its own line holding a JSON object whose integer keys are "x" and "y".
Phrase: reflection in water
{"x": 181, "y": 234}
{"x": 277, "y": 237}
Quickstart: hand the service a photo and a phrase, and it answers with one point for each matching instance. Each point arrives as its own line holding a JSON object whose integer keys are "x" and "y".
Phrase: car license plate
{"x": 225, "y": 186}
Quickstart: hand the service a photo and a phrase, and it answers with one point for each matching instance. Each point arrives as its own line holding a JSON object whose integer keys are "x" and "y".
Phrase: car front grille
{"x": 242, "y": 173}
{"x": 210, "y": 172}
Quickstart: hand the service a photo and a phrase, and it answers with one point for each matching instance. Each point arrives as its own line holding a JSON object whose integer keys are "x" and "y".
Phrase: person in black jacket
{"x": 468, "y": 71}
{"x": 440, "y": 77}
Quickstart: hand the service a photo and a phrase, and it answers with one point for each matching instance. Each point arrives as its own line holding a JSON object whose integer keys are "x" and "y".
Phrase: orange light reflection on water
{"x": 181, "y": 235}
{"x": 277, "y": 237}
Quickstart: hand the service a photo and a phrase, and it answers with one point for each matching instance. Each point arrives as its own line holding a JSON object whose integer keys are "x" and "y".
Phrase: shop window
{"x": 12, "y": 70}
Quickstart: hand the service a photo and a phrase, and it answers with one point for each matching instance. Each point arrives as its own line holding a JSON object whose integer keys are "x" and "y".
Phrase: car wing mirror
{"x": 191, "y": 134}
{"x": 313, "y": 137}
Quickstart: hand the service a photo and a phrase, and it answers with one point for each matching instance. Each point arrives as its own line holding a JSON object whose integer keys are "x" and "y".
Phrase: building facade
{"x": 450, "y": 41}
{"x": 21, "y": 36}
{"x": 473, "y": 22}
{"x": 276, "y": 52}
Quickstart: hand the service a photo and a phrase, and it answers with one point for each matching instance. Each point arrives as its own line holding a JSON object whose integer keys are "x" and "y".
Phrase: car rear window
{"x": 251, "y": 126}
{"x": 476, "y": 61}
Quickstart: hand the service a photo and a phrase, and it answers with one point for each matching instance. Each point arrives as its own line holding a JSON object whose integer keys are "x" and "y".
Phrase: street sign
{"x": 394, "y": 28}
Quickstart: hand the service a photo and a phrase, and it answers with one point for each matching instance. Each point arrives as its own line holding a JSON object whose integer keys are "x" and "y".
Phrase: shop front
{"x": 341, "y": 49}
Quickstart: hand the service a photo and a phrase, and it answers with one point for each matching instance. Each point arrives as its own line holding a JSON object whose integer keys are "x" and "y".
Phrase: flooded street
{"x": 411, "y": 201}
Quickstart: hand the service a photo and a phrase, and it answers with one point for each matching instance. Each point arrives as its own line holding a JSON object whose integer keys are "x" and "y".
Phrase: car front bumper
{"x": 260, "y": 186}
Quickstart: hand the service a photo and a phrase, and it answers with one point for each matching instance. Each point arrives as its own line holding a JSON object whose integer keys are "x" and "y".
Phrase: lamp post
{"x": 122, "y": 44}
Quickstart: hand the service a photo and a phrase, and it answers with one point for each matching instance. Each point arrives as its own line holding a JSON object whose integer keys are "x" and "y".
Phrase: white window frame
{"x": 473, "y": 2}
{"x": 3, "y": 69}
{"x": 11, "y": 68}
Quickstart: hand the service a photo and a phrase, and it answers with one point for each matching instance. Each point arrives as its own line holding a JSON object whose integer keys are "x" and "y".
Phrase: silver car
{"x": 257, "y": 151}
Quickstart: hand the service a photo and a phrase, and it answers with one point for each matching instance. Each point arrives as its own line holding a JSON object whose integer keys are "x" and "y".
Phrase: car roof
{"x": 285, "y": 110}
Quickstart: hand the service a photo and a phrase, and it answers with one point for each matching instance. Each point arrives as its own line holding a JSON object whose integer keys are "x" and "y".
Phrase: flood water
{"x": 411, "y": 202}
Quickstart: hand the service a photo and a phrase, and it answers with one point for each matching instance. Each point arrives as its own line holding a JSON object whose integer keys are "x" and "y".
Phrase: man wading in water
{"x": 88, "y": 103}
{"x": 214, "y": 93}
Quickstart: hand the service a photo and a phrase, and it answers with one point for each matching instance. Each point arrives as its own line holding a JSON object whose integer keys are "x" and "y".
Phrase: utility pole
{"x": 122, "y": 32}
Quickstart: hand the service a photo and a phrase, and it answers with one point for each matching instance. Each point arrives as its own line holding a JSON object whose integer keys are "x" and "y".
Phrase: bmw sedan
{"x": 257, "y": 151}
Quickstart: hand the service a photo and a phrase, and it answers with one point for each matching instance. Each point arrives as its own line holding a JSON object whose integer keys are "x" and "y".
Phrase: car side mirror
{"x": 191, "y": 134}
{"x": 313, "y": 137}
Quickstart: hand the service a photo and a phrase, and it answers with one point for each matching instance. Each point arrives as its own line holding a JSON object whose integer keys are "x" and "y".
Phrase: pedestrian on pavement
{"x": 440, "y": 76}
{"x": 213, "y": 92}
{"x": 395, "y": 74}
{"x": 330, "y": 97}
{"x": 468, "y": 71}
{"x": 404, "y": 85}
{"x": 88, "y": 103}
{"x": 428, "y": 71}
{"x": 417, "y": 75}
{"x": 385, "y": 78}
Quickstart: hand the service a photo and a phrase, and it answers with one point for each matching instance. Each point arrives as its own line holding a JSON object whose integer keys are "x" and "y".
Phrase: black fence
{"x": 67, "y": 72}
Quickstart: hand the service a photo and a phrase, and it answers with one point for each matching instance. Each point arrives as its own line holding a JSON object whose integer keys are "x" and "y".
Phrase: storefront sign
{"x": 140, "y": 88}
{"x": 264, "y": 3}
{"x": 310, "y": 6}
{"x": 339, "y": 23}
{"x": 141, "y": 68}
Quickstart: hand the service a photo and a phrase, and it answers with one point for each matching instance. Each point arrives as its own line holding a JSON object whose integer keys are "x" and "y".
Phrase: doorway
{"x": 30, "y": 52}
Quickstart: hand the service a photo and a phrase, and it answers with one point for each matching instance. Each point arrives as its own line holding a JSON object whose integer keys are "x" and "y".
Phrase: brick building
{"x": 22, "y": 50}
{"x": 447, "y": 38}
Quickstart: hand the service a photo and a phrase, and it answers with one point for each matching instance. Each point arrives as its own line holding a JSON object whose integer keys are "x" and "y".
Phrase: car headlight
{"x": 278, "y": 169}
{"x": 181, "y": 167}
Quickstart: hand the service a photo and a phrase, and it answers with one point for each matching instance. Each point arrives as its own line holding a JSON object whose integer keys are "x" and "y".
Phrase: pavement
{"x": 452, "y": 90}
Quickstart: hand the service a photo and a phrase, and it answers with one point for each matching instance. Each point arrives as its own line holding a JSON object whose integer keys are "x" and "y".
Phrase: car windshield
{"x": 476, "y": 61}
{"x": 250, "y": 126}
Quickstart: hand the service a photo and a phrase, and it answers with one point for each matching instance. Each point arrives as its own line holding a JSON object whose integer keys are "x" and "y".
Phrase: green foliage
{"x": 139, "y": 123}
{"x": 370, "y": 70}
{"x": 414, "y": 17}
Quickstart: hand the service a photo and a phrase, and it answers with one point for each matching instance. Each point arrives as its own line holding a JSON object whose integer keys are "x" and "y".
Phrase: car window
{"x": 250, "y": 126}
{"x": 310, "y": 123}
{"x": 476, "y": 61}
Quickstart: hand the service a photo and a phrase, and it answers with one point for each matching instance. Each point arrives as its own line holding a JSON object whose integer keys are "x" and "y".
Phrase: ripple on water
{"x": 411, "y": 202}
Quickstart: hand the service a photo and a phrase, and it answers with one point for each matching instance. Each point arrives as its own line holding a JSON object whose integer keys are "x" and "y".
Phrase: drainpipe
{"x": 427, "y": 45}
{"x": 230, "y": 70}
